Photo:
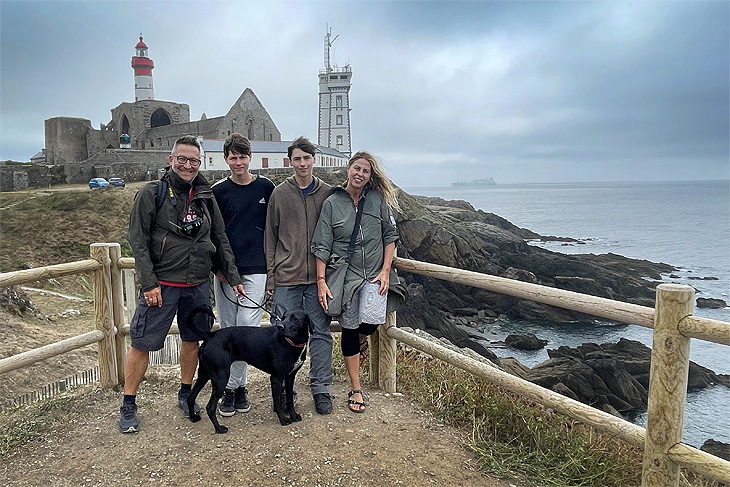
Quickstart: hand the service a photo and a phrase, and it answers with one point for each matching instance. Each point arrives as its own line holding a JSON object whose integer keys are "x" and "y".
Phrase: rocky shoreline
{"x": 610, "y": 377}
{"x": 455, "y": 234}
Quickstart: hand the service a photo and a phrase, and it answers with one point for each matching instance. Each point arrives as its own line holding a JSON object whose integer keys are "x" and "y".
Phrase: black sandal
{"x": 364, "y": 349}
{"x": 360, "y": 405}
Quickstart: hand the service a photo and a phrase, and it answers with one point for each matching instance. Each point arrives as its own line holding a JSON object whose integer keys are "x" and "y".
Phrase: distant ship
{"x": 475, "y": 182}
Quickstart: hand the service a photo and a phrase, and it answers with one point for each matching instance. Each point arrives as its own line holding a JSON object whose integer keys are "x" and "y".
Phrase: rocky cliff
{"x": 454, "y": 234}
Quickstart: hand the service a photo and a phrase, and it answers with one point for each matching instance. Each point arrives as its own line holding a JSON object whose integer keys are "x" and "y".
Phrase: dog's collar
{"x": 294, "y": 344}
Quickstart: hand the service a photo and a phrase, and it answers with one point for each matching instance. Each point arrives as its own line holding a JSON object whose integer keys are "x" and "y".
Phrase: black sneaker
{"x": 128, "y": 418}
{"x": 241, "y": 401}
{"x": 226, "y": 406}
{"x": 323, "y": 403}
{"x": 182, "y": 403}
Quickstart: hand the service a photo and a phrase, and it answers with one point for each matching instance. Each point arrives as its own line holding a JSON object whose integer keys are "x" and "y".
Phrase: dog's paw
{"x": 297, "y": 417}
{"x": 194, "y": 418}
{"x": 221, "y": 429}
{"x": 284, "y": 420}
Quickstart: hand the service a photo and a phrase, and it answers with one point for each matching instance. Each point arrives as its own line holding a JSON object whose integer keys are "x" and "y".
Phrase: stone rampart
{"x": 18, "y": 177}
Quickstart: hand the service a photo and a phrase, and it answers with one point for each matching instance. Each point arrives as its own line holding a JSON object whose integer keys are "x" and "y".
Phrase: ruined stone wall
{"x": 66, "y": 140}
{"x": 79, "y": 172}
{"x": 165, "y": 137}
{"x": 139, "y": 114}
{"x": 99, "y": 140}
{"x": 25, "y": 176}
{"x": 248, "y": 117}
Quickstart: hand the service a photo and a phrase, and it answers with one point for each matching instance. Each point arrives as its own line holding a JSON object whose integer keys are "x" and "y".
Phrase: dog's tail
{"x": 200, "y": 322}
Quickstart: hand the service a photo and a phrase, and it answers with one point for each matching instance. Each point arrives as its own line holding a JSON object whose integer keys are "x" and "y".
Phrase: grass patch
{"x": 513, "y": 437}
{"x": 29, "y": 428}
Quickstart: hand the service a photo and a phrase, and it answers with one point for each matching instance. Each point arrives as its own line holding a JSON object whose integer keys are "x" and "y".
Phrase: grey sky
{"x": 520, "y": 91}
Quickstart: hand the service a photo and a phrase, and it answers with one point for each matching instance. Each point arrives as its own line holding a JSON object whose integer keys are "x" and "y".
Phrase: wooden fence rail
{"x": 671, "y": 320}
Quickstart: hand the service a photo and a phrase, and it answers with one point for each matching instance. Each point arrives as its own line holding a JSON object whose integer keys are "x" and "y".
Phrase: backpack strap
{"x": 161, "y": 190}
{"x": 160, "y": 194}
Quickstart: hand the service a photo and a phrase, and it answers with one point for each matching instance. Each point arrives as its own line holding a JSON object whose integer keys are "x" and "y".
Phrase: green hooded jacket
{"x": 334, "y": 229}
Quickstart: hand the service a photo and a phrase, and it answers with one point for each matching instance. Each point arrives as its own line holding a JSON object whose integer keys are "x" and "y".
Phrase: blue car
{"x": 98, "y": 183}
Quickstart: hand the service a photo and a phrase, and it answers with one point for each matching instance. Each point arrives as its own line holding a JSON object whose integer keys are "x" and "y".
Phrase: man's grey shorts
{"x": 151, "y": 324}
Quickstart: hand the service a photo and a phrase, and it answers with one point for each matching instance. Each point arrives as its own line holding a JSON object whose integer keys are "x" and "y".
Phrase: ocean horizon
{"x": 685, "y": 224}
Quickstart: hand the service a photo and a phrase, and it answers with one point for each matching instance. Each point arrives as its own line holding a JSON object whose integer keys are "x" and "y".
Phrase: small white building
{"x": 266, "y": 155}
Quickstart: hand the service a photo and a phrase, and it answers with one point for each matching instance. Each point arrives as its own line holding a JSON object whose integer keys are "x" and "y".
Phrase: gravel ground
{"x": 393, "y": 443}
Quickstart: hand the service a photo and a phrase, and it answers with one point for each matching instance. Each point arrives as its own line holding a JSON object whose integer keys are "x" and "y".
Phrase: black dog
{"x": 277, "y": 350}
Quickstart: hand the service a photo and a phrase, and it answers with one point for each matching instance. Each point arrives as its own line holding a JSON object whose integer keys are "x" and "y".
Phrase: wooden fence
{"x": 672, "y": 321}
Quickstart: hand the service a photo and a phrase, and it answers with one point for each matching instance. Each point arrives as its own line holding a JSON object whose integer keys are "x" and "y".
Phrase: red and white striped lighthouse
{"x": 143, "y": 67}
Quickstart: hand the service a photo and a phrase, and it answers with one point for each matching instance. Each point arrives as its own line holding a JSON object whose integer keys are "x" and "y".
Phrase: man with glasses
{"x": 176, "y": 242}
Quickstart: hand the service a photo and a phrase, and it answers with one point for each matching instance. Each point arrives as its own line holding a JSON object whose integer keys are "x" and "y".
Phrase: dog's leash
{"x": 257, "y": 305}
{"x": 266, "y": 299}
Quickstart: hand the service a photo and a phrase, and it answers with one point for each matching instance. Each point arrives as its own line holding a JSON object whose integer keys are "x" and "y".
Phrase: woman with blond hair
{"x": 368, "y": 274}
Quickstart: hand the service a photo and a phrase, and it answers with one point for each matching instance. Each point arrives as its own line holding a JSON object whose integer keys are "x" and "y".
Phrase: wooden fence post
{"x": 667, "y": 385}
{"x": 386, "y": 356}
{"x": 120, "y": 342}
{"x": 130, "y": 293}
{"x": 104, "y": 316}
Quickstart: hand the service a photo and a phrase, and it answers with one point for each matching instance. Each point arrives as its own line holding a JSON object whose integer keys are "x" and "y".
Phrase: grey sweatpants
{"x": 247, "y": 314}
{"x": 304, "y": 297}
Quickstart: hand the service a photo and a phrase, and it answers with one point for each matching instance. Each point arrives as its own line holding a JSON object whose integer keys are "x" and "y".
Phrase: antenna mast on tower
{"x": 327, "y": 45}
{"x": 334, "y": 101}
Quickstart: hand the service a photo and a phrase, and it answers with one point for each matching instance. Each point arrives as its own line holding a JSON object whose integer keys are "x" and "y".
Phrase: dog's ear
{"x": 203, "y": 318}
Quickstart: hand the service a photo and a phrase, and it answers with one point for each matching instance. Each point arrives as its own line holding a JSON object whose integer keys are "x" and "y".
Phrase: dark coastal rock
{"x": 423, "y": 315}
{"x": 717, "y": 448}
{"x": 514, "y": 367}
{"x": 454, "y": 234}
{"x": 712, "y": 303}
{"x": 595, "y": 382}
{"x": 466, "y": 311}
{"x": 610, "y": 375}
{"x": 525, "y": 342}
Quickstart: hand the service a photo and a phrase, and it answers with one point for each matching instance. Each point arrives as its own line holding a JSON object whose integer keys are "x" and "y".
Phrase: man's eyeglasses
{"x": 184, "y": 160}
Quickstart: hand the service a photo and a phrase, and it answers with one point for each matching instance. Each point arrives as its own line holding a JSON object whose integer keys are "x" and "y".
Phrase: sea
{"x": 684, "y": 224}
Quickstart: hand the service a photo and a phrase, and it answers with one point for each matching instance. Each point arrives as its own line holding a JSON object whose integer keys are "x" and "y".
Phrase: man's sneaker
{"x": 241, "y": 401}
{"x": 323, "y": 403}
{"x": 182, "y": 403}
{"x": 226, "y": 406}
{"x": 128, "y": 418}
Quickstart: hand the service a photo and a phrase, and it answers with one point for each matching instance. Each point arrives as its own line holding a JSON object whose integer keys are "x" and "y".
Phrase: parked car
{"x": 118, "y": 182}
{"x": 98, "y": 183}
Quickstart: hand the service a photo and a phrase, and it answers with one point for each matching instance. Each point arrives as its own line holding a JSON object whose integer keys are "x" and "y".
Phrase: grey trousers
{"x": 229, "y": 314}
{"x": 304, "y": 297}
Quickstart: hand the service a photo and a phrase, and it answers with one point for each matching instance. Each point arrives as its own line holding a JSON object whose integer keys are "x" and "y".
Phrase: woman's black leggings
{"x": 351, "y": 338}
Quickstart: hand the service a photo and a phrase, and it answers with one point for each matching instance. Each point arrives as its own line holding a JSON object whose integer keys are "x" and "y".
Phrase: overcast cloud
{"x": 521, "y": 92}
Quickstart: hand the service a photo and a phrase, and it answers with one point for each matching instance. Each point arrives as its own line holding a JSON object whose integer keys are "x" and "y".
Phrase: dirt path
{"x": 392, "y": 443}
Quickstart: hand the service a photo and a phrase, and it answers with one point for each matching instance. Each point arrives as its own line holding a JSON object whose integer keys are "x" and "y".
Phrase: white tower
{"x": 334, "y": 102}
{"x": 143, "y": 67}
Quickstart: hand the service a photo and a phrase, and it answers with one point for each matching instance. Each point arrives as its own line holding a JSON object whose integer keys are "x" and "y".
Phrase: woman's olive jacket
{"x": 334, "y": 229}
{"x": 163, "y": 251}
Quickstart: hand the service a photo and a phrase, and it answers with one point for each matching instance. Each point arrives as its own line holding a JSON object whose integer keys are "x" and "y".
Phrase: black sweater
{"x": 244, "y": 212}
